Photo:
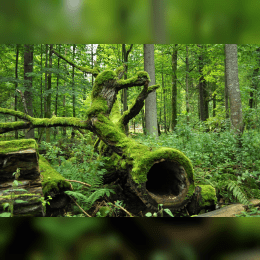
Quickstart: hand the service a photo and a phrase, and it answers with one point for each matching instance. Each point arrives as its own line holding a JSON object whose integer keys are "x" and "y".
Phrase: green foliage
{"x": 10, "y": 205}
{"x": 84, "y": 165}
{"x": 159, "y": 213}
{"x": 217, "y": 159}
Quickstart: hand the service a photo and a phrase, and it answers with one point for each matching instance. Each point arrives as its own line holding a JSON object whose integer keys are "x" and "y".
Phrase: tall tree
{"x": 174, "y": 86}
{"x": 226, "y": 91}
{"x": 187, "y": 83}
{"x": 233, "y": 88}
{"x": 125, "y": 54}
{"x": 48, "y": 100}
{"x": 28, "y": 68}
{"x": 203, "y": 95}
{"x": 16, "y": 85}
{"x": 150, "y": 101}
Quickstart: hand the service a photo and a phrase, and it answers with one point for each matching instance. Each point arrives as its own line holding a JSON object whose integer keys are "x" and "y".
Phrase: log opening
{"x": 167, "y": 182}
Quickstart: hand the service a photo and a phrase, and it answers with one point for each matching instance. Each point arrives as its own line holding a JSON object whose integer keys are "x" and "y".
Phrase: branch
{"x": 138, "y": 104}
{"x": 86, "y": 69}
{"x": 40, "y": 122}
{"x": 23, "y": 100}
{"x": 130, "y": 48}
{"x": 139, "y": 80}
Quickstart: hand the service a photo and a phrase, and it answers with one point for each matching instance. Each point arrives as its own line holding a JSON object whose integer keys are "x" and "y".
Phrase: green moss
{"x": 104, "y": 211}
{"x": 143, "y": 163}
{"x": 17, "y": 145}
{"x": 132, "y": 80}
{"x": 15, "y": 113}
{"x": 151, "y": 88}
{"x": 208, "y": 194}
{"x": 58, "y": 120}
{"x": 98, "y": 106}
{"x": 100, "y": 80}
{"x": 12, "y": 124}
{"x": 143, "y": 74}
{"x": 119, "y": 69}
{"x": 51, "y": 178}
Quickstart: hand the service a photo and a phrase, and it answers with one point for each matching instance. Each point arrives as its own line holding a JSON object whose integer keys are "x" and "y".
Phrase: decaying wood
{"x": 30, "y": 180}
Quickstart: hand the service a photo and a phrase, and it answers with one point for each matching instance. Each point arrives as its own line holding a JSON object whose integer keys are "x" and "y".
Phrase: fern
{"x": 89, "y": 200}
{"x": 237, "y": 192}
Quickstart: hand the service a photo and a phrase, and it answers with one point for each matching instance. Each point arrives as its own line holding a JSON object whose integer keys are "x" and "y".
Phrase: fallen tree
{"x": 146, "y": 175}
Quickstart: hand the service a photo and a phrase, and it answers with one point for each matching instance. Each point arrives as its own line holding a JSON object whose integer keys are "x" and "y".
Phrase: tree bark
{"x": 233, "y": 88}
{"x": 202, "y": 90}
{"x": 150, "y": 102}
{"x": 187, "y": 83}
{"x": 16, "y": 84}
{"x": 28, "y": 68}
{"x": 174, "y": 86}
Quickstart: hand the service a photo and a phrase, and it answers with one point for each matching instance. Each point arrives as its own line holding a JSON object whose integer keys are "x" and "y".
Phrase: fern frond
{"x": 237, "y": 192}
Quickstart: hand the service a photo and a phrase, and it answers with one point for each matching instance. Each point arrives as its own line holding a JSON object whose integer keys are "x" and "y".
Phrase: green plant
{"x": 160, "y": 212}
{"x": 10, "y": 205}
{"x": 251, "y": 211}
{"x": 44, "y": 202}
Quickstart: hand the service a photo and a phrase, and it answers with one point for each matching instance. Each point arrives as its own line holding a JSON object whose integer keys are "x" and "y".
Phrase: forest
{"x": 100, "y": 130}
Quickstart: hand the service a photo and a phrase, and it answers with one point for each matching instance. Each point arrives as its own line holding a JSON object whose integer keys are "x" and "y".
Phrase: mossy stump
{"x": 23, "y": 155}
{"x": 37, "y": 177}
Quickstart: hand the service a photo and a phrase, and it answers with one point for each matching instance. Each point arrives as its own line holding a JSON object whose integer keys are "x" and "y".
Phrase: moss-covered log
{"x": 37, "y": 177}
{"x": 154, "y": 176}
{"x": 23, "y": 155}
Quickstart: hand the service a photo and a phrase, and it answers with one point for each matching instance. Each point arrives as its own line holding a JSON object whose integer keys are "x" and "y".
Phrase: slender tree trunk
{"x": 73, "y": 84}
{"x": 233, "y": 88}
{"x": 40, "y": 131}
{"x": 150, "y": 102}
{"x": 187, "y": 83}
{"x": 214, "y": 100}
{"x": 28, "y": 68}
{"x": 174, "y": 87}
{"x": 48, "y": 101}
{"x": 202, "y": 89}
{"x": 46, "y": 83}
{"x": 56, "y": 99}
{"x": 16, "y": 85}
{"x": 64, "y": 101}
{"x": 125, "y": 54}
{"x": 226, "y": 90}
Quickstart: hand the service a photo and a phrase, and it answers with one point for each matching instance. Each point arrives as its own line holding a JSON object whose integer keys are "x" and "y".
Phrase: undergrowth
{"x": 218, "y": 159}
{"x": 85, "y": 166}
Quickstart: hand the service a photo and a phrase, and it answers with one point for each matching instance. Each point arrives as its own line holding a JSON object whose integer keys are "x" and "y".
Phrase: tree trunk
{"x": 125, "y": 55}
{"x": 56, "y": 99}
{"x": 226, "y": 90}
{"x": 48, "y": 100}
{"x": 150, "y": 102}
{"x": 202, "y": 90}
{"x": 28, "y": 68}
{"x": 16, "y": 85}
{"x": 187, "y": 83}
{"x": 233, "y": 88}
{"x": 174, "y": 87}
